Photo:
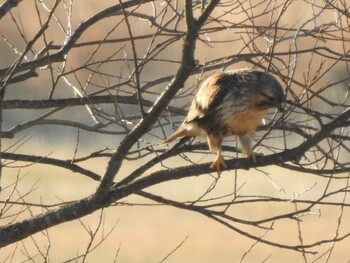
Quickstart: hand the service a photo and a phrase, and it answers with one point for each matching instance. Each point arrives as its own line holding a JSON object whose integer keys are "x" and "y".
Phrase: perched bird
{"x": 231, "y": 103}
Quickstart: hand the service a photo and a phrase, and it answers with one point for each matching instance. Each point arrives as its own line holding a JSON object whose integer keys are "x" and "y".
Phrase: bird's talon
{"x": 216, "y": 165}
{"x": 253, "y": 155}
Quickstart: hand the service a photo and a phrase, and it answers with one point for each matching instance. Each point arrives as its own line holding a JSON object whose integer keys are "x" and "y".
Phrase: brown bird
{"x": 232, "y": 103}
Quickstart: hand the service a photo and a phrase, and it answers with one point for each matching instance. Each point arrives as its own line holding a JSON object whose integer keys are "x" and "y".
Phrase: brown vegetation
{"x": 89, "y": 91}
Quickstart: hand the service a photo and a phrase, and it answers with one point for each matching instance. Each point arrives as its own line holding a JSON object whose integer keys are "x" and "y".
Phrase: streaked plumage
{"x": 231, "y": 103}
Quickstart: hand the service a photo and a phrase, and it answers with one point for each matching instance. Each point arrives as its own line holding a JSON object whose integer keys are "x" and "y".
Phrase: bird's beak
{"x": 280, "y": 107}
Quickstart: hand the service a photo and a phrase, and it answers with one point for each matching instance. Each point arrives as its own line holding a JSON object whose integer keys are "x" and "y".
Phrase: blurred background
{"x": 305, "y": 44}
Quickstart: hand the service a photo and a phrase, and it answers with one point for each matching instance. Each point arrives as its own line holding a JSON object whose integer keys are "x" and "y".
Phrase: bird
{"x": 231, "y": 103}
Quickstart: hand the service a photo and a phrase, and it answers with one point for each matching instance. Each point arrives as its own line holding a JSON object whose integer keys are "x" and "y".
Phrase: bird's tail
{"x": 181, "y": 132}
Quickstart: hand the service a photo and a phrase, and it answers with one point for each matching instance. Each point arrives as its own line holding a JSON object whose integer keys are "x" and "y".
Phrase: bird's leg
{"x": 246, "y": 141}
{"x": 215, "y": 145}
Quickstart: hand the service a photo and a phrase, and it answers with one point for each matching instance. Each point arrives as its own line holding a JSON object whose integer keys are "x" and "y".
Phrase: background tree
{"x": 89, "y": 91}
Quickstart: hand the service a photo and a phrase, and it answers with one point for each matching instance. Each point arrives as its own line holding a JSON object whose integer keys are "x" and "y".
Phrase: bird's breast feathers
{"x": 225, "y": 122}
{"x": 241, "y": 122}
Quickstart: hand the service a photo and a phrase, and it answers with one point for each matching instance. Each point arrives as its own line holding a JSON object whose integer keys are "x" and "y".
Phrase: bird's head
{"x": 271, "y": 93}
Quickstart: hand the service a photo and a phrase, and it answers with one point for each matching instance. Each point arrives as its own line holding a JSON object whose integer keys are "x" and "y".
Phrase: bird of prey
{"x": 231, "y": 103}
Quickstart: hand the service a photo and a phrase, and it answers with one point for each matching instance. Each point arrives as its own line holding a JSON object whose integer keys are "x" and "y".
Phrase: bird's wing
{"x": 205, "y": 99}
{"x": 212, "y": 96}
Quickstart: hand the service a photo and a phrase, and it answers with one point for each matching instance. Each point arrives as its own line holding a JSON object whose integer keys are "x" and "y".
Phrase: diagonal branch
{"x": 186, "y": 67}
{"x": 73, "y": 39}
{"x": 7, "y": 6}
{"x": 50, "y": 161}
{"x": 104, "y": 196}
